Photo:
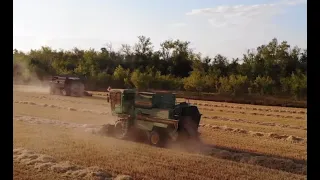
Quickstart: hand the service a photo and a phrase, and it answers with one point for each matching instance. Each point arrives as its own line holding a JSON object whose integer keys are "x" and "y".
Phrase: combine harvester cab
{"x": 155, "y": 114}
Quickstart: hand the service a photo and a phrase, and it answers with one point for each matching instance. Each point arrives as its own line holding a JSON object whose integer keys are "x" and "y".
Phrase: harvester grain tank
{"x": 155, "y": 114}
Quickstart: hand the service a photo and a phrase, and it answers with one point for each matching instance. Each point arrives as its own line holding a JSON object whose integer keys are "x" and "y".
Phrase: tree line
{"x": 274, "y": 68}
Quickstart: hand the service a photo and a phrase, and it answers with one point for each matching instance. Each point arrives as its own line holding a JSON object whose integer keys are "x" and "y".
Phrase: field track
{"x": 57, "y": 137}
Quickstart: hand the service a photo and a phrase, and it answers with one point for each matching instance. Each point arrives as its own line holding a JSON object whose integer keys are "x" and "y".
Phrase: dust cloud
{"x": 26, "y": 79}
{"x": 31, "y": 88}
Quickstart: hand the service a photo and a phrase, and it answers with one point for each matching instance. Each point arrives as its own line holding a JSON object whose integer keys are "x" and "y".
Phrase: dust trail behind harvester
{"x": 26, "y": 79}
{"x": 191, "y": 146}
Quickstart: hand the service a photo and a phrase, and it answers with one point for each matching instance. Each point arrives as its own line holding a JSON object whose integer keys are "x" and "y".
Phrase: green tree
{"x": 274, "y": 67}
{"x": 141, "y": 80}
{"x": 263, "y": 84}
{"x": 122, "y": 75}
{"x": 224, "y": 85}
{"x": 298, "y": 85}
{"x": 194, "y": 82}
{"x": 238, "y": 83}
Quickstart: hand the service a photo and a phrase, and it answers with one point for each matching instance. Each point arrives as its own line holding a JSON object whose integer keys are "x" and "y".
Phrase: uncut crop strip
{"x": 42, "y": 162}
{"x": 249, "y": 158}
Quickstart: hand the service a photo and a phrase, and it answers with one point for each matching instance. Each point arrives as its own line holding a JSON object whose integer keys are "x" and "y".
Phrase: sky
{"x": 227, "y": 27}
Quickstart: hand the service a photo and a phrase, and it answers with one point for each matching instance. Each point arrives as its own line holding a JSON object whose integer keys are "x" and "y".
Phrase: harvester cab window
{"x": 128, "y": 102}
{"x": 128, "y": 97}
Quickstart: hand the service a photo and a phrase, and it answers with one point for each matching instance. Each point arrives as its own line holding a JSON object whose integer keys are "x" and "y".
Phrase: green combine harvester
{"x": 155, "y": 115}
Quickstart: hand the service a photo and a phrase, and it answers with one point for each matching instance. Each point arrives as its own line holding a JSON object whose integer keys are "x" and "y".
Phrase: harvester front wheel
{"x": 65, "y": 92}
{"x": 157, "y": 138}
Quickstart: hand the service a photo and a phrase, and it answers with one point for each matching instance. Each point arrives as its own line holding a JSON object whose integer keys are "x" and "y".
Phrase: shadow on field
{"x": 299, "y": 161}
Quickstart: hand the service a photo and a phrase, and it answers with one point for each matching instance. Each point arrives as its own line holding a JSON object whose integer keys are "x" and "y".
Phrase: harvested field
{"x": 42, "y": 162}
{"x": 57, "y": 137}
